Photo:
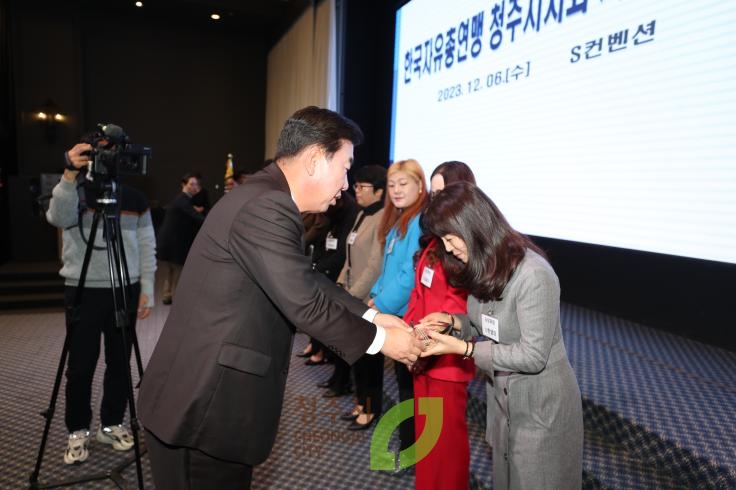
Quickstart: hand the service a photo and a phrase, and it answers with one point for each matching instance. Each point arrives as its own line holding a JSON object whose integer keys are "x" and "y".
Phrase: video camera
{"x": 112, "y": 154}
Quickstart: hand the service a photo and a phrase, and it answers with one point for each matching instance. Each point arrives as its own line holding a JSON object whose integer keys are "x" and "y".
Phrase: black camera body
{"x": 112, "y": 154}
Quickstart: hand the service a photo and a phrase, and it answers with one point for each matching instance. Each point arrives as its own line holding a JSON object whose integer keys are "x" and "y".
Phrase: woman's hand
{"x": 444, "y": 344}
{"x": 438, "y": 321}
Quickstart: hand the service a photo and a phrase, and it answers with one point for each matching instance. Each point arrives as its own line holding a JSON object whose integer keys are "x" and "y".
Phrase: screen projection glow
{"x": 610, "y": 122}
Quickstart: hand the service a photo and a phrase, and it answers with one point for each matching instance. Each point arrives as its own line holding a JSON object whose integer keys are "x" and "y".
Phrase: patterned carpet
{"x": 660, "y": 412}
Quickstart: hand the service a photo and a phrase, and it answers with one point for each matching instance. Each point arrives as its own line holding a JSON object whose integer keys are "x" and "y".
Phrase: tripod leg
{"x": 126, "y": 280}
{"x": 119, "y": 280}
{"x": 48, "y": 414}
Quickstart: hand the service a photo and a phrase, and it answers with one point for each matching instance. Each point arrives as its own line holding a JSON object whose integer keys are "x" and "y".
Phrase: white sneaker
{"x": 76, "y": 450}
{"x": 115, "y": 435}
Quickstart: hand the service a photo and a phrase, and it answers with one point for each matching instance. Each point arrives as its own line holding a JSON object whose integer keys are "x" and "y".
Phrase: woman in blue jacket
{"x": 400, "y": 231}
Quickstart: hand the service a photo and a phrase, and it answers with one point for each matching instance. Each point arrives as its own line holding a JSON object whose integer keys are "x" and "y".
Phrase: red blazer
{"x": 439, "y": 296}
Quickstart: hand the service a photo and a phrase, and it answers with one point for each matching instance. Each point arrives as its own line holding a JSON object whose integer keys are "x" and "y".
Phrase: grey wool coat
{"x": 535, "y": 410}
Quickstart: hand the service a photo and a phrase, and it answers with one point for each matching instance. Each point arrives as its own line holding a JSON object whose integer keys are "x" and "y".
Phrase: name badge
{"x": 330, "y": 243}
{"x": 490, "y": 326}
{"x": 351, "y": 237}
{"x": 390, "y": 245}
{"x": 427, "y": 275}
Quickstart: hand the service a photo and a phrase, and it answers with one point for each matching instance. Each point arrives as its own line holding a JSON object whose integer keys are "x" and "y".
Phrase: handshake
{"x": 407, "y": 343}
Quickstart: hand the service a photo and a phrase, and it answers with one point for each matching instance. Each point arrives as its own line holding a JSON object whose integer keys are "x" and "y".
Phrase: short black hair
{"x": 374, "y": 175}
{"x": 314, "y": 125}
{"x": 185, "y": 178}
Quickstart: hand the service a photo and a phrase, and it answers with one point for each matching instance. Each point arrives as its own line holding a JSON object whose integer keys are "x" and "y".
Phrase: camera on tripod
{"x": 114, "y": 155}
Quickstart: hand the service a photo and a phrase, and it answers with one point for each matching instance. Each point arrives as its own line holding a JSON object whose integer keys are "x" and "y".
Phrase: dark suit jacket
{"x": 216, "y": 378}
{"x": 342, "y": 217}
{"x": 180, "y": 226}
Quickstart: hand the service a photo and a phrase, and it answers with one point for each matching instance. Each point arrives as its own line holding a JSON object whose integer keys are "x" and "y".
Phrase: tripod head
{"x": 102, "y": 195}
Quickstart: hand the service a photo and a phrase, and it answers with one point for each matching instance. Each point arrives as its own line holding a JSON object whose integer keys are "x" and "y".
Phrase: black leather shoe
{"x": 354, "y": 425}
{"x": 166, "y": 301}
{"x": 325, "y": 384}
{"x": 349, "y": 416}
{"x": 305, "y": 354}
{"x": 334, "y": 393}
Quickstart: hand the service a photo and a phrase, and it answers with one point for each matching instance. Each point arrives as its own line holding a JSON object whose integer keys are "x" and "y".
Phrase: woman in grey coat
{"x": 537, "y": 430}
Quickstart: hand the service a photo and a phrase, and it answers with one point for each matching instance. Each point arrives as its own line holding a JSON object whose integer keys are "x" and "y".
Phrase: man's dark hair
{"x": 314, "y": 125}
{"x": 374, "y": 175}
{"x": 185, "y": 178}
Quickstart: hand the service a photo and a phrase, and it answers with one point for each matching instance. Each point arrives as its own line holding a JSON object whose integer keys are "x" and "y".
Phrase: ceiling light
{"x": 215, "y": 16}
{"x": 139, "y": 4}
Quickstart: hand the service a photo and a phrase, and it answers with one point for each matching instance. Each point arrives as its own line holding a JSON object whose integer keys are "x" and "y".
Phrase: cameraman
{"x": 71, "y": 208}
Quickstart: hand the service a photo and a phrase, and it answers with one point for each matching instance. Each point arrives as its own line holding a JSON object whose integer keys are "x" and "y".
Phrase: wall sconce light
{"x": 52, "y": 118}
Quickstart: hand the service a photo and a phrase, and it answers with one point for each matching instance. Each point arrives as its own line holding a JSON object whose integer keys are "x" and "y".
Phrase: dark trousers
{"x": 93, "y": 318}
{"x": 182, "y": 468}
{"x": 405, "y": 380}
{"x": 368, "y": 373}
{"x": 340, "y": 379}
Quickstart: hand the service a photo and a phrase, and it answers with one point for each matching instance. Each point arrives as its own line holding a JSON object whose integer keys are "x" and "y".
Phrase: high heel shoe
{"x": 310, "y": 362}
{"x": 307, "y": 352}
{"x": 349, "y": 416}
{"x": 355, "y": 425}
{"x": 337, "y": 392}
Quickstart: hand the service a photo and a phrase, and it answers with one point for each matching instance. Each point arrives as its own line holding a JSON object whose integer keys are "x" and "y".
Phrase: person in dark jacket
{"x": 181, "y": 223}
{"x": 328, "y": 259}
{"x": 213, "y": 391}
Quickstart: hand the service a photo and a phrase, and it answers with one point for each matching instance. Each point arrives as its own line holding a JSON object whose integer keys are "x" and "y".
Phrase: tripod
{"x": 108, "y": 210}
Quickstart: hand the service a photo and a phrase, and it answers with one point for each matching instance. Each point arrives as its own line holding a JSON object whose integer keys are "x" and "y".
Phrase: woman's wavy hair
{"x": 400, "y": 218}
{"x": 494, "y": 248}
{"x": 451, "y": 172}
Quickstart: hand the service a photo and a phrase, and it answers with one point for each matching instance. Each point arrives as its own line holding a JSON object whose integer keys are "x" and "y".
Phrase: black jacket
{"x": 216, "y": 379}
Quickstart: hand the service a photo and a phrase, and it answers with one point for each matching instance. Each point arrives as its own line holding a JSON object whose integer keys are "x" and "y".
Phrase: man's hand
{"x": 77, "y": 160}
{"x": 401, "y": 345}
{"x": 391, "y": 321}
{"x": 75, "y": 156}
{"x": 143, "y": 309}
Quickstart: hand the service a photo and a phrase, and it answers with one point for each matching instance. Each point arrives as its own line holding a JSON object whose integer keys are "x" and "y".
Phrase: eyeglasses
{"x": 362, "y": 187}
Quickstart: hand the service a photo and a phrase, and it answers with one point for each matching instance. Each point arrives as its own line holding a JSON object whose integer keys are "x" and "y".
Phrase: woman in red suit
{"x": 447, "y": 376}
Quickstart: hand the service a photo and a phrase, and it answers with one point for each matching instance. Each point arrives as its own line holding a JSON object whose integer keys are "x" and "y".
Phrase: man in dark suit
{"x": 175, "y": 238}
{"x": 212, "y": 393}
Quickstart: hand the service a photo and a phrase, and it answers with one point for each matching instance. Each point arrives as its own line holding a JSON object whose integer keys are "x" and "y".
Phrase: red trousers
{"x": 447, "y": 466}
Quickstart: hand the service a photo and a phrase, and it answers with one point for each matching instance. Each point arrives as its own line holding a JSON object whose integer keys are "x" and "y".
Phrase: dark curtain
{"x": 8, "y": 161}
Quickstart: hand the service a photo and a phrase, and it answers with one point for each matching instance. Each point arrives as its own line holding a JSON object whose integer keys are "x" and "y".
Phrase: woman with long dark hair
{"x": 537, "y": 430}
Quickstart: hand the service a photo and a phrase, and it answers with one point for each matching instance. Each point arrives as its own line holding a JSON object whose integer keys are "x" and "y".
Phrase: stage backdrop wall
{"x": 686, "y": 296}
